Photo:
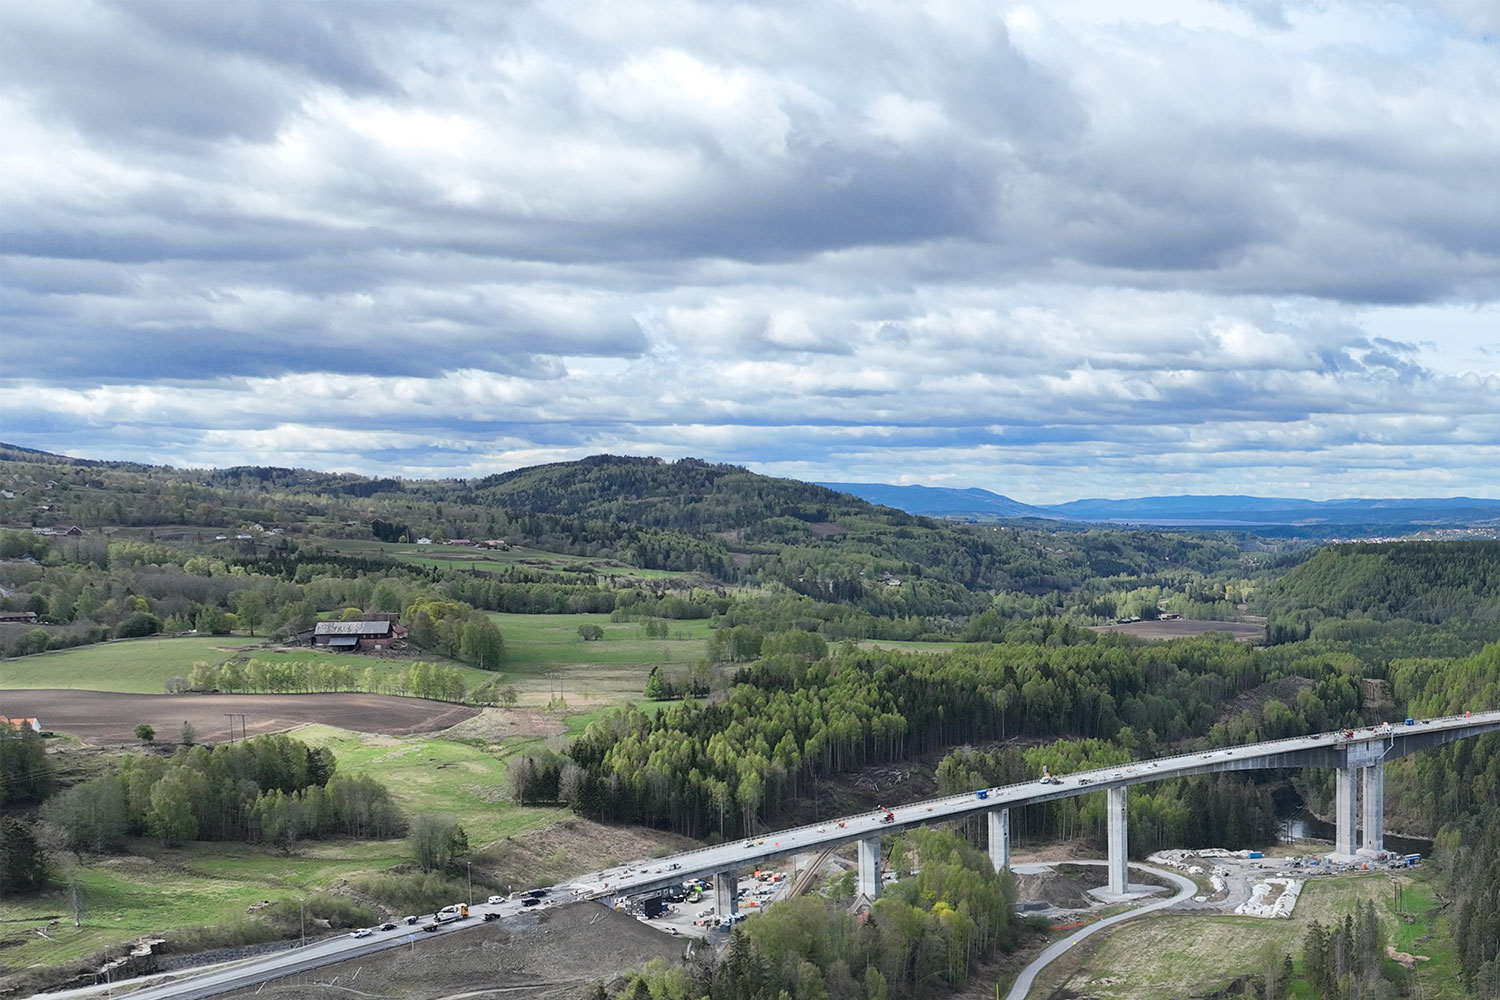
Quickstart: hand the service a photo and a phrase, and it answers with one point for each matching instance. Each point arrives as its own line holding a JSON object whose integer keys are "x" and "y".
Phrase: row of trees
{"x": 421, "y": 679}
{"x": 269, "y": 788}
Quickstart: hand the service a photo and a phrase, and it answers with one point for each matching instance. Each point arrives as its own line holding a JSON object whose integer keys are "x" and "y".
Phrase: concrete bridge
{"x": 1358, "y": 762}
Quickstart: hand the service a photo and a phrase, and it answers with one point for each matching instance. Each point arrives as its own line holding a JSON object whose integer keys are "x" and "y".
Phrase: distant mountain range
{"x": 1186, "y": 511}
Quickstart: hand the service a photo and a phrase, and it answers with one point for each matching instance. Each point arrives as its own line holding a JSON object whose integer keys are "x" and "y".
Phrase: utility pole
{"x": 470, "y": 866}
{"x": 302, "y": 913}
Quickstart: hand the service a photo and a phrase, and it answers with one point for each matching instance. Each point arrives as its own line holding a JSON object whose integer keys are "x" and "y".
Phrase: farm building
{"x": 349, "y": 636}
{"x": 31, "y": 724}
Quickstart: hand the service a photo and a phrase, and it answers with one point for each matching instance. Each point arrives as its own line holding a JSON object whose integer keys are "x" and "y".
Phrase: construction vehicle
{"x": 1048, "y": 778}
{"x": 888, "y": 816}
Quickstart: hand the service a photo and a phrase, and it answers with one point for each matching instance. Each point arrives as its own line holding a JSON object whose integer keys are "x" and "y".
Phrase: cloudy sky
{"x": 1054, "y": 250}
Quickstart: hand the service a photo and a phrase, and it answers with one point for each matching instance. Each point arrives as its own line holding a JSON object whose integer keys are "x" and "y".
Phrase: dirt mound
{"x": 545, "y": 857}
{"x": 1065, "y": 886}
{"x": 556, "y": 954}
{"x": 495, "y": 724}
{"x": 108, "y": 718}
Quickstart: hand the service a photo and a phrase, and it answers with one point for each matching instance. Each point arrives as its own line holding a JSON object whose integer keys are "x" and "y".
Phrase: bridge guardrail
{"x": 1270, "y": 748}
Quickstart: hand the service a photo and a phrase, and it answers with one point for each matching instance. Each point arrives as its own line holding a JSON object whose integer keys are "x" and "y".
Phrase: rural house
{"x": 349, "y": 636}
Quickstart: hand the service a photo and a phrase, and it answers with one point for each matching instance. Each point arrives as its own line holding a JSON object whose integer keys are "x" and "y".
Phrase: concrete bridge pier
{"x": 869, "y": 868}
{"x": 726, "y": 893}
{"x": 1374, "y": 807}
{"x": 1345, "y": 810}
{"x": 1000, "y": 839}
{"x": 1114, "y": 808}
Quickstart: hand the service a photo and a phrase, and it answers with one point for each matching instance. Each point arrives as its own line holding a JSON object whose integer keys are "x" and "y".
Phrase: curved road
{"x": 1186, "y": 887}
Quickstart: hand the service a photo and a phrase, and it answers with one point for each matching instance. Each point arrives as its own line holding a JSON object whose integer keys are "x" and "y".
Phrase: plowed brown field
{"x": 106, "y": 719}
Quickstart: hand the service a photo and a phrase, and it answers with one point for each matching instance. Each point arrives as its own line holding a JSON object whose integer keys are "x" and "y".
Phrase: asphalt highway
{"x": 661, "y": 873}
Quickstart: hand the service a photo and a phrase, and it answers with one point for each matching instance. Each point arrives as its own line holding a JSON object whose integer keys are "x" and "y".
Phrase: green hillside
{"x": 1423, "y": 581}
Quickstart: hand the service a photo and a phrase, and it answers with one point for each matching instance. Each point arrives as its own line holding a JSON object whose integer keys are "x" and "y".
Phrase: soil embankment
{"x": 557, "y": 954}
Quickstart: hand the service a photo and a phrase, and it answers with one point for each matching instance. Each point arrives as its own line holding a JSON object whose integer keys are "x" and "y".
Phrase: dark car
{"x": 387, "y": 927}
{"x": 531, "y": 901}
{"x": 429, "y": 927}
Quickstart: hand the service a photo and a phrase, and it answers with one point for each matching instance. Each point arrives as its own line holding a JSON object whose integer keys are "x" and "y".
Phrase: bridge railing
{"x": 961, "y": 798}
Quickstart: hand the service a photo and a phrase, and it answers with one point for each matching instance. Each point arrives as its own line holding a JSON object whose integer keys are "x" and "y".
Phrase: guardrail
{"x": 967, "y": 799}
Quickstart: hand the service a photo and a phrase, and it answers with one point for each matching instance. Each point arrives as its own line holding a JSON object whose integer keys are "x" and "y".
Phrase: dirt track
{"x": 106, "y": 719}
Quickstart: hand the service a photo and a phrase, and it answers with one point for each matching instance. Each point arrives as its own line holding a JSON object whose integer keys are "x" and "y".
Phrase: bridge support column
{"x": 1374, "y": 808}
{"x": 1114, "y": 808}
{"x": 869, "y": 868}
{"x": 726, "y": 891}
{"x": 1345, "y": 809}
{"x": 1000, "y": 839}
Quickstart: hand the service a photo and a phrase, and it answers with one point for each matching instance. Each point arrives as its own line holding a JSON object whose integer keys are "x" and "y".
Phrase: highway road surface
{"x": 661, "y": 873}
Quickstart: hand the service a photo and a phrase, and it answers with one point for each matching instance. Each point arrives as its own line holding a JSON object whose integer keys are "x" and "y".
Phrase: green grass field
{"x": 156, "y": 889}
{"x": 545, "y": 657}
{"x": 141, "y": 666}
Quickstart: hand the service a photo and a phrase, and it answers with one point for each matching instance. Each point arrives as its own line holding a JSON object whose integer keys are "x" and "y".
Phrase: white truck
{"x": 448, "y": 914}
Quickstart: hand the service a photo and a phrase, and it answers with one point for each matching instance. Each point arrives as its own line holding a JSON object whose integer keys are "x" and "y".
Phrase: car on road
{"x": 388, "y": 926}
{"x": 362, "y": 932}
{"x": 531, "y": 901}
{"x": 495, "y": 899}
{"x": 412, "y": 919}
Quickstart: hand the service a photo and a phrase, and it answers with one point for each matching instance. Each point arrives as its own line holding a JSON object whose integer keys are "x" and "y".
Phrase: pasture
{"x": 142, "y": 666}
{"x": 154, "y": 889}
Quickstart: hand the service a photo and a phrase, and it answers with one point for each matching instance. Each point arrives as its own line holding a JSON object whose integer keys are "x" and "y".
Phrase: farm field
{"x": 467, "y": 557}
{"x": 142, "y": 666}
{"x": 154, "y": 889}
{"x": 1169, "y": 955}
{"x": 546, "y": 657}
{"x": 1182, "y": 628}
{"x": 103, "y": 718}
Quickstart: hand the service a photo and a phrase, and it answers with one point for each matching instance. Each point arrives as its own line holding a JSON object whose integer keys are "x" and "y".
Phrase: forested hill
{"x": 686, "y": 495}
{"x": 1422, "y": 581}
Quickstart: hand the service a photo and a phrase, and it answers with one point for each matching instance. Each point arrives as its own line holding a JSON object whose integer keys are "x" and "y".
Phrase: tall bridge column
{"x": 1345, "y": 810}
{"x": 869, "y": 868}
{"x": 1114, "y": 808}
{"x": 726, "y": 891}
{"x": 1374, "y": 807}
{"x": 1000, "y": 839}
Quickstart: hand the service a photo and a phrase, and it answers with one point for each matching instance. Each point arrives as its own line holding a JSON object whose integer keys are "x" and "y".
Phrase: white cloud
{"x": 1057, "y": 249}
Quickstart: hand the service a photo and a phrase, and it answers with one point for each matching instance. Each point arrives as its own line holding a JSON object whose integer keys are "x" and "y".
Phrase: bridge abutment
{"x": 869, "y": 868}
{"x": 999, "y": 822}
{"x": 1114, "y": 808}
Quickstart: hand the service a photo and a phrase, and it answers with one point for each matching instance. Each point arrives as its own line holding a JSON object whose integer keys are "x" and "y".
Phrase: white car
{"x": 362, "y": 932}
